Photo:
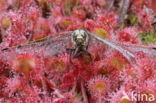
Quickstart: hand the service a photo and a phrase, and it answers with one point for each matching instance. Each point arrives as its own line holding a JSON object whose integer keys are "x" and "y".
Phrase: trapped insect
{"x": 80, "y": 40}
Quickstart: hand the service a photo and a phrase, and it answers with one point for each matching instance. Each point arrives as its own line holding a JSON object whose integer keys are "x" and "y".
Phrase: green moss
{"x": 148, "y": 37}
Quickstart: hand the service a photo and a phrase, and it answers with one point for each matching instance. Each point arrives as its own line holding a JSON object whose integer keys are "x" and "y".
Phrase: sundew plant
{"x": 35, "y": 66}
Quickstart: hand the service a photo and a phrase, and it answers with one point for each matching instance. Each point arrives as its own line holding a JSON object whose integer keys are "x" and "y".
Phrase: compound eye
{"x": 74, "y": 37}
{"x": 84, "y": 35}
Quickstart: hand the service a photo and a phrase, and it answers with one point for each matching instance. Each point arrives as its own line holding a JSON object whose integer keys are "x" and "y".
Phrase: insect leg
{"x": 77, "y": 54}
{"x": 70, "y": 49}
{"x": 81, "y": 53}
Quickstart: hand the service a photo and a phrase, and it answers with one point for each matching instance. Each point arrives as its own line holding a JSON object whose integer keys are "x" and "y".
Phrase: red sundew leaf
{"x": 89, "y": 24}
{"x": 69, "y": 99}
{"x": 42, "y": 26}
{"x": 56, "y": 66}
{"x": 92, "y": 100}
{"x": 114, "y": 79}
{"x": 121, "y": 96}
{"x": 146, "y": 19}
{"x": 86, "y": 73}
{"x": 98, "y": 86}
{"x": 129, "y": 72}
{"x": 5, "y": 22}
{"x": 85, "y": 3}
{"x": 66, "y": 85}
{"x": 3, "y": 86}
{"x": 82, "y": 66}
{"x": 102, "y": 68}
{"x": 74, "y": 26}
{"x": 18, "y": 88}
{"x": 5, "y": 69}
{"x": 57, "y": 14}
{"x": 3, "y": 5}
{"x": 79, "y": 13}
{"x": 37, "y": 83}
{"x": 118, "y": 63}
{"x": 68, "y": 80}
{"x": 14, "y": 5}
{"x": 146, "y": 68}
{"x": 146, "y": 74}
{"x": 139, "y": 4}
{"x": 33, "y": 14}
{"x": 66, "y": 22}
{"x": 14, "y": 84}
{"x": 44, "y": 83}
{"x": 15, "y": 40}
{"x": 24, "y": 64}
{"x": 82, "y": 60}
{"x": 109, "y": 20}
{"x": 18, "y": 24}
{"x": 101, "y": 32}
{"x": 24, "y": 4}
{"x": 129, "y": 35}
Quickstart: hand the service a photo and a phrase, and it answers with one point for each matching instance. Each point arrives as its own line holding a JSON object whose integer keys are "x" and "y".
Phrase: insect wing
{"x": 148, "y": 50}
{"x": 128, "y": 50}
{"x": 48, "y": 46}
{"x": 129, "y": 55}
{"x": 57, "y": 45}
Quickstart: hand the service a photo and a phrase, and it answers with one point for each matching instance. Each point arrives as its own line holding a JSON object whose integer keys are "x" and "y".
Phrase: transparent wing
{"x": 129, "y": 55}
{"x": 48, "y": 46}
{"x": 57, "y": 46}
{"x": 127, "y": 50}
{"x": 149, "y": 50}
